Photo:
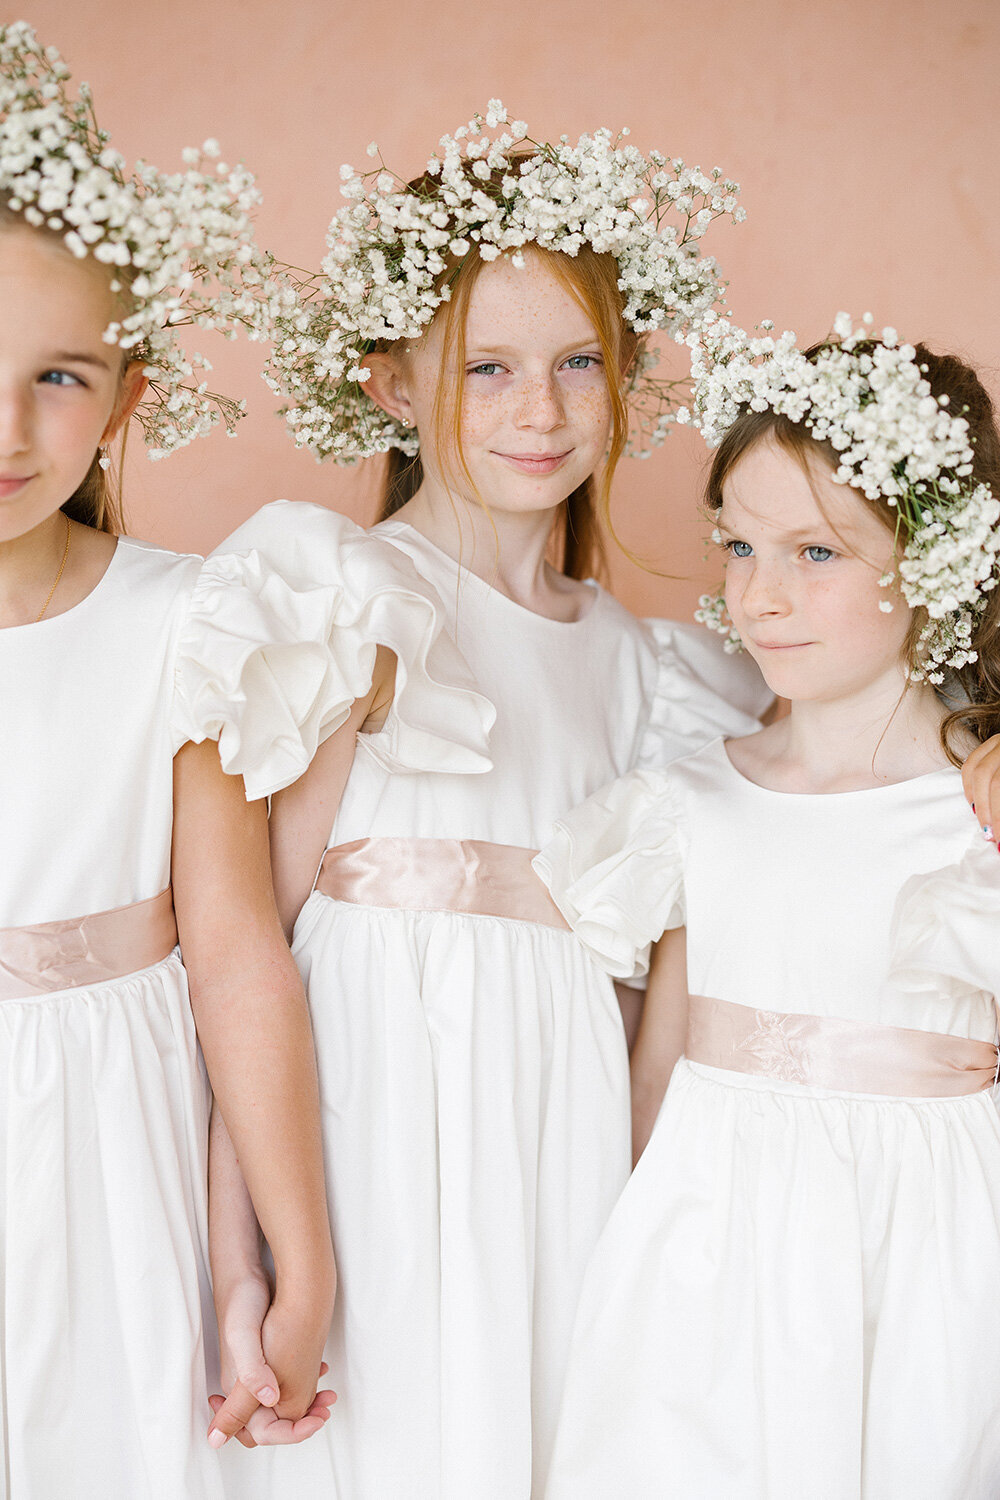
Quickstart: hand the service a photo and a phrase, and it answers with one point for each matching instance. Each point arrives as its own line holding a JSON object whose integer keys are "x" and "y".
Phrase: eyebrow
{"x": 507, "y": 350}
{"x": 68, "y": 357}
{"x": 799, "y": 535}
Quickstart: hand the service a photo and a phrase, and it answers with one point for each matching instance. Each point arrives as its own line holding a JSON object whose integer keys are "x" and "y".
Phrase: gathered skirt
{"x": 474, "y": 1086}
{"x": 796, "y": 1295}
{"x": 103, "y": 1235}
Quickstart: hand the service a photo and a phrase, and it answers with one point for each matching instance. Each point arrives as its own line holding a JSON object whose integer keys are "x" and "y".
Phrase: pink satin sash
{"x": 86, "y": 950}
{"x": 464, "y": 875}
{"x": 826, "y": 1052}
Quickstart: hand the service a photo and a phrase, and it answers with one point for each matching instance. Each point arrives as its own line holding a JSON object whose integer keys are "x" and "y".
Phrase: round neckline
{"x": 522, "y": 609}
{"x": 48, "y": 621}
{"x": 860, "y": 791}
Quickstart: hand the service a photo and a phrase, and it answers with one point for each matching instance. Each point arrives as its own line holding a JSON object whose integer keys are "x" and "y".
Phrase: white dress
{"x": 104, "y": 1104}
{"x": 796, "y": 1295}
{"x": 473, "y": 1071}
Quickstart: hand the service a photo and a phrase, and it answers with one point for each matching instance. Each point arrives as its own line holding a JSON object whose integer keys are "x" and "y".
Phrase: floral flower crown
{"x": 869, "y": 399}
{"x": 394, "y": 250}
{"x": 183, "y": 242}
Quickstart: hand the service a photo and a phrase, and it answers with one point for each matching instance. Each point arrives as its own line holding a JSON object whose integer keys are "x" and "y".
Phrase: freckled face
{"x": 536, "y": 411}
{"x": 58, "y": 379}
{"x": 802, "y": 579}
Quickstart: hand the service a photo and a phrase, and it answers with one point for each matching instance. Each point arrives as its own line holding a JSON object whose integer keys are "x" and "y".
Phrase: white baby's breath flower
{"x": 869, "y": 399}
{"x": 493, "y": 191}
{"x": 184, "y": 241}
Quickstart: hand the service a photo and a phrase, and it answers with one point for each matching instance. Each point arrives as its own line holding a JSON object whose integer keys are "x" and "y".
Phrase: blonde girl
{"x": 795, "y": 1293}
{"x": 473, "y": 1066}
{"x": 119, "y": 831}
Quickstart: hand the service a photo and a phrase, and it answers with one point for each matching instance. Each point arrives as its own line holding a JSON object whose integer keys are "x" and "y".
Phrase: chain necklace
{"x": 62, "y": 565}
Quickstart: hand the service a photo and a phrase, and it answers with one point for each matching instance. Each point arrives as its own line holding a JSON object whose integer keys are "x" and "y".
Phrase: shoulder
{"x": 699, "y": 692}
{"x": 152, "y": 580}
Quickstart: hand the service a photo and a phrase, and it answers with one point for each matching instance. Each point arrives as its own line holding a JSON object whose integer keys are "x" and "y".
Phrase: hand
{"x": 259, "y": 1338}
{"x": 981, "y": 780}
{"x": 262, "y": 1426}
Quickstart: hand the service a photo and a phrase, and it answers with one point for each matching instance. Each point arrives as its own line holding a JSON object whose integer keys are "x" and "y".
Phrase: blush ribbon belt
{"x": 462, "y": 875}
{"x": 86, "y": 951}
{"x": 826, "y": 1052}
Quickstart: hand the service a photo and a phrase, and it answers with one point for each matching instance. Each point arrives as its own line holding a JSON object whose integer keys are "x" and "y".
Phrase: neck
{"x": 887, "y": 732}
{"x": 28, "y": 567}
{"x": 507, "y": 549}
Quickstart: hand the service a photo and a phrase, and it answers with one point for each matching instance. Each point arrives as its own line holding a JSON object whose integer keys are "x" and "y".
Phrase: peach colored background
{"x": 863, "y": 132}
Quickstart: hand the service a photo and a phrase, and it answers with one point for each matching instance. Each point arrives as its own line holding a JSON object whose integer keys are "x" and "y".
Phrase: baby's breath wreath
{"x": 183, "y": 241}
{"x": 393, "y": 252}
{"x": 868, "y": 398}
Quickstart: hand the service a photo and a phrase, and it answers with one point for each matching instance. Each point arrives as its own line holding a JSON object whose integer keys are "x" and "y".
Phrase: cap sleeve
{"x": 614, "y": 867}
{"x": 946, "y": 926}
{"x": 701, "y": 692}
{"x": 281, "y": 637}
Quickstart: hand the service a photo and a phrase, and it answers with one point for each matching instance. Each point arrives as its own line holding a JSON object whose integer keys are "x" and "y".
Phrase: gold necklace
{"x": 62, "y": 565}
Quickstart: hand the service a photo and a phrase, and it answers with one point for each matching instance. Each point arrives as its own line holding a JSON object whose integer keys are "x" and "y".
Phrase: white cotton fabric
{"x": 473, "y": 1071}
{"x": 795, "y": 1295}
{"x": 272, "y": 661}
{"x": 103, "y": 1103}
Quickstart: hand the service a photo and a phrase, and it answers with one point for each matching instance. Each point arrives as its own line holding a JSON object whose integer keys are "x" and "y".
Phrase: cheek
{"x": 483, "y": 411}
{"x": 589, "y": 408}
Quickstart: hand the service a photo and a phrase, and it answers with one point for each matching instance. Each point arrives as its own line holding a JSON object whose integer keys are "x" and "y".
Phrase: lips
{"x": 535, "y": 463}
{"x": 781, "y": 645}
{"x": 11, "y": 483}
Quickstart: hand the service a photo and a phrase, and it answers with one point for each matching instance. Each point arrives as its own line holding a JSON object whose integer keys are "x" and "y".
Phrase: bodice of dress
{"x": 878, "y": 905}
{"x": 87, "y": 741}
{"x": 573, "y": 704}
{"x": 791, "y": 900}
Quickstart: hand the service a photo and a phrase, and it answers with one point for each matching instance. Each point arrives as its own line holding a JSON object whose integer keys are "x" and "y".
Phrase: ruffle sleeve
{"x": 615, "y": 869}
{"x": 280, "y": 640}
{"x": 946, "y": 927}
{"x": 701, "y": 692}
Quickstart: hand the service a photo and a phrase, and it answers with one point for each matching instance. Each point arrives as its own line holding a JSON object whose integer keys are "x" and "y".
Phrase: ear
{"x": 387, "y": 386}
{"x": 131, "y": 392}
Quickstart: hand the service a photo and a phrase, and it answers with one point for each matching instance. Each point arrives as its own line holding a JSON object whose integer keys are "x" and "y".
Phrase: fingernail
{"x": 267, "y": 1395}
{"x": 217, "y": 1438}
{"x": 973, "y": 807}
{"x": 988, "y": 832}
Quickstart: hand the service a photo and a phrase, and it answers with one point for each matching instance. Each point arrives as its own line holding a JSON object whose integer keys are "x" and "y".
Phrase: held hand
{"x": 263, "y": 1427}
{"x": 246, "y": 1375}
{"x": 269, "y": 1348}
{"x": 981, "y": 780}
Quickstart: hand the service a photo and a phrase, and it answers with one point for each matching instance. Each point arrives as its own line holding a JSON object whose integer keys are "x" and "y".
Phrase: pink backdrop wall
{"x": 863, "y": 133}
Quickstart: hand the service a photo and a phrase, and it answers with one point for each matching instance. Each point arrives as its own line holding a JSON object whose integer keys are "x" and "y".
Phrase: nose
{"x": 15, "y": 427}
{"x": 539, "y": 405}
{"x": 764, "y": 592}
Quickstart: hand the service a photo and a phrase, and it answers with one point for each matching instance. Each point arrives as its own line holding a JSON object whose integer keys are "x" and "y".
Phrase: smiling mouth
{"x": 9, "y": 483}
{"x": 535, "y": 463}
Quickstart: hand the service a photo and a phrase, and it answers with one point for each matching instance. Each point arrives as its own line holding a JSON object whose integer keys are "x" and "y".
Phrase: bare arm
{"x": 662, "y": 1033}
{"x": 303, "y": 814}
{"x": 252, "y": 1021}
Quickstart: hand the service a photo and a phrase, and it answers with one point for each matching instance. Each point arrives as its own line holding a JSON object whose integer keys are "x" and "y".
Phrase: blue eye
{"x": 488, "y": 367}
{"x": 827, "y": 553}
{"x": 59, "y": 377}
{"x": 739, "y": 549}
{"x": 582, "y": 361}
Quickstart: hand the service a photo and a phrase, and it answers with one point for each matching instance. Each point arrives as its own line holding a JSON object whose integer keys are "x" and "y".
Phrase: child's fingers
{"x": 271, "y": 1431}
{"x": 235, "y": 1412}
{"x": 243, "y": 1436}
{"x": 981, "y": 781}
{"x": 247, "y": 1363}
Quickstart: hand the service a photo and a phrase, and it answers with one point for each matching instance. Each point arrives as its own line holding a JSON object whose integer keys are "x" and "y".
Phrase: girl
{"x": 795, "y": 1293}
{"x": 472, "y": 1060}
{"x": 119, "y": 830}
